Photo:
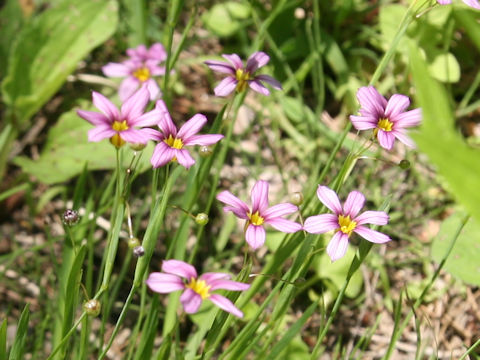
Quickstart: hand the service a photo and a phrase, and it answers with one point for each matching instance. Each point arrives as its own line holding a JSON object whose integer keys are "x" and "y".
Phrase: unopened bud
{"x": 133, "y": 242}
{"x": 296, "y": 198}
{"x": 404, "y": 164}
{"x": 201, "y": 219}
{"x": 205, "y": 151}
{"x": 139, "y": 251}
{"x": 92, "y": 307}
{"x": 70, "y": 217}
{"x": 138, "y": 146}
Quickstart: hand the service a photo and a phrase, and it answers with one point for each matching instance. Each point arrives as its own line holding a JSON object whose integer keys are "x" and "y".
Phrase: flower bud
{"x": 205, "y": 151}
{"x": 92, "y": 307}
{"x": 138, "y": 251}
{"x": 404, "y": 164}
{"x": 138, "y": 146}
{"x": 201, "y": 219}
{"x": 70, "y": 217}
{"x": 296, "y": 198}
{"x": 133, "y": 243}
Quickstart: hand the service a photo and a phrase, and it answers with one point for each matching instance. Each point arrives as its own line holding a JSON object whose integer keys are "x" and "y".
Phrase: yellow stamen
{"x": 242, "y": 78}
{"x": 255, "y": 218}
{"x": 385, "y": 124}
{"x": 118, "y": 126}
{"x": 200, "y": 287}
{"x": 347, "y": 225}
{"x": 142, "y": 74}
{"x": 174, "y": 142}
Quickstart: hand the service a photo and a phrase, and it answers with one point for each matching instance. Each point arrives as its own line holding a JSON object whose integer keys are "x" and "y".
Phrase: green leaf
{"x": 67, "y": 150}
{"x": 463, "y": 260}
{"x": 447, "y": 150}
{"x": 11, "y": 21}
{"x": 49, "y": 48}
{"x": 445, "y": 68}
{"x": 226, "y": 19}
{"x": 468, "y": 20}
{"x": 18, "y": 347}
{"x": 3, "y": 339}
{"x": 390, "y": 18}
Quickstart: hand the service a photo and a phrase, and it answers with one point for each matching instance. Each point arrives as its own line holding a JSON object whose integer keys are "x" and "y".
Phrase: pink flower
{"x": 239, "y": 76}
{"x": 345, "y": 221}
{"x": 138, "y": 70}
{"x": 178, "y": 275}
{"x": 171, "y": 146}
{"x": 388, "y": 119}
{"x": 472, "y": 3}
{"x": 260, "y": 213}
{"x": 120, "y": 126}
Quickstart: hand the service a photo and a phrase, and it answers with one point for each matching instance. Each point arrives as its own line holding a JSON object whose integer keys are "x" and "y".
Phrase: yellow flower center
{"x": 174, "y": 142}
{"x": 118, "y": 126}
{"x": 255, "y": 218}
{"x": 200, "y": 287}
{"x": 142, "y": 74}
{"x": 385, "y": 124}
{"x": 242, "y": 78}
{"x": 347, "y": 225}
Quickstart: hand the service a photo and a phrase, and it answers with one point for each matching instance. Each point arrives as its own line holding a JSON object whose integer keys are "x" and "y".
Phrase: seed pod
{"x": 201, "y": 219}
{"x": 404, "y": 164}
{"x": 296, "y": 198}
{"x": 138, "y": 146}
{"x": 133, "y": 243}
{"x": 92, "y": 307}
{"x": 70, "y": 217}
{"x": 205, "y": 151}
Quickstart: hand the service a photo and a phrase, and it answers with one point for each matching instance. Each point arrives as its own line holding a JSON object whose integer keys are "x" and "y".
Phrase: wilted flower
{"x": 171, "y": 145}
{"x": 260, "y": 213}
{"x": 240, "y": 76}
{"x": 387, "y": 119}
{"x": 178, "y": 275}
{"x": 121, "y": 126}
{"x": 139, "y": 69}
{"x": 345, "y": 221}
{"x": 472, "y": 3}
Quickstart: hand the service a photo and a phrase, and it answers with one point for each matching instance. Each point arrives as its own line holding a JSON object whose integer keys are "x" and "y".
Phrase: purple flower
{"x": 388, "y": 119}
{"x": 120, "y": 126}
{"x": 178, "y": 275}
{"x": 472, "y": 3}
{"x": 345, "y": 221}
{"x": 138, "y": 69}
{"x": 239, "y": 76}
{"x": 260, "y": 213}
{"x": 171, "y": 145}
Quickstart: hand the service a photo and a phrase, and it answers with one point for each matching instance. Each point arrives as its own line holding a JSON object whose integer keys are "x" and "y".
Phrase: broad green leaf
{"x": 48, "y": 50}
{"x": 468, "y": 20}
{"x": 227, "y": 18}
{"x": 458, "y": 163}
{"x": 67, "y": 150}
{"x": 390, "y": 18}
{"x": 445, "y": 68}
{"x": 18, "y": 347}
{"x": 11, "y": 21}
{"x": 463, "y": 260}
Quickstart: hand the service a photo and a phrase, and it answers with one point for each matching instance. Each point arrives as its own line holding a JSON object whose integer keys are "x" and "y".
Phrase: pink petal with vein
{"x": 223, "y": 303}
{"x": 337, "y": 247}
{"x": 164, "y": 283}
{"x": 179, "y": 268}
{"x": 329, "y": 198}
{"x": 255, "y": 236}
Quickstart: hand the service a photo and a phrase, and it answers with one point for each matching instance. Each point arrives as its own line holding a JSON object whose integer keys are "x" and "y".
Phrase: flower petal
{"x": 128, "y": 87}
{"x": 134, "y": 136}
{"x": 184, "y": 158}
{"x": 162, "y": 154}
{"x": 226, "y": 86}
{"x": 372, "y": 217}
{"x": 396, "y": 105}
{"x": 353, "y": 204}
{"x": 259, "y": 196}
{"x": 93, "y": 117}
{"x": 258, "y": 87}
{"x": 157, "y": 52}
{"x": 165, "y": 122}
{"x": 363, "y": 122}
{"x": 148, "y": 119}
{"x": 228, "y": 285}
{"x": 472, "y": 3}
{"x": 192, "y": 126}
{"x": 404, "y": 138}
{"x": 100, "y": 132}
{"x": 105, "y": 106}
{"x": 329, "y": 198}
{"x": 164, "y": 283}
{"x": 408, "y": 119}
{"x": 337, "y": 247}
{"x": 372, "y": 235}
{"x": 220, "y": 66}
{"x": 153, "y": 89}
{"x": 223, "y": 303}
{"x": 203, "y": 139}
{"x": 319, "y": 224}
{"x": 284, "y": 225}
{"x": 235, "y": 60}
{"x": 255, "y": 236}
{"x": 237, "y": 206}
{"x": 279, "y": 210}
{"x": 179, "y": 268}
{"x": 211, "y": 276}
{"x": 116, "y": 70}
{"x": 270, "y": 80}
{"x": 135, "y": 105}
{"x": 191, "y": 301}
{"x": 386, "y": 139}
{"x": 256, "y": 60}
{"x": 371, "y": 100}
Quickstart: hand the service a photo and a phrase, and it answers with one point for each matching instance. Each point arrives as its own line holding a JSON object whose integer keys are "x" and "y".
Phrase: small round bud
{"x": 201, "y": 219}
{"x": 205, "y": 151}
{"x": 296, "y": 198}
{"x": 70, "y": 217}
{"x": 92, "y": 307}
{"x": 139, "y": 251}
{"x": 133, "y": 243}
{"x": 138, "y": 146}
{"x": 404, "y": 164}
